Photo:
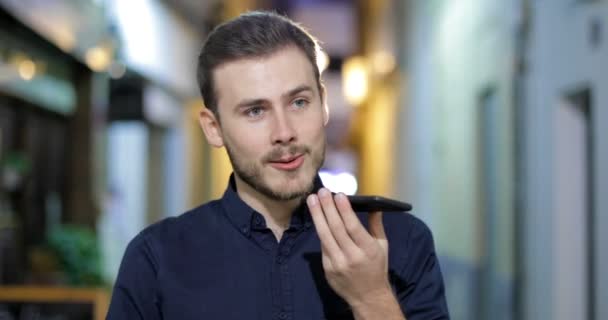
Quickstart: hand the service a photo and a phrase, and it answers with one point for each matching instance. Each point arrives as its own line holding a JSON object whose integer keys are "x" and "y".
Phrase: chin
{"x": 299, "y": 181}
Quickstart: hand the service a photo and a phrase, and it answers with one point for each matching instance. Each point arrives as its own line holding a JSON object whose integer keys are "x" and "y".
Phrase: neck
{"x": 276, "y": 212}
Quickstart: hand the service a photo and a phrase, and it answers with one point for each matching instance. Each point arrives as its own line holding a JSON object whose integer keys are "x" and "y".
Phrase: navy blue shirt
{"x": 220, "y": 261}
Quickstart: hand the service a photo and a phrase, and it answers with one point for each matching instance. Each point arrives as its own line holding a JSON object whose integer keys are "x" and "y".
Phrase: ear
{"x": 323, "y": 94}
{"x": 211, "y": 127}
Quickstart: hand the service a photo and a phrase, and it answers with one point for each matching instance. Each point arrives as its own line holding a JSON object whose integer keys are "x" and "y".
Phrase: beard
{"x": 251, "y": 172}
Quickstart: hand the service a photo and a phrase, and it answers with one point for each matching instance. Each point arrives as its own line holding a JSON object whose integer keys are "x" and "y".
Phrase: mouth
{"x": 288, "y": 163}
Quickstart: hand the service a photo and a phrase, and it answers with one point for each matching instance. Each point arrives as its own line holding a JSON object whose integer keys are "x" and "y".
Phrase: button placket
{"x": 282, "y": 269}
{"x": 285, "y": 292}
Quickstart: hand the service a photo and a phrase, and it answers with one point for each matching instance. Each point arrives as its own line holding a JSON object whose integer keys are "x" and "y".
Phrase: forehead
{"x": 264, "y": 77}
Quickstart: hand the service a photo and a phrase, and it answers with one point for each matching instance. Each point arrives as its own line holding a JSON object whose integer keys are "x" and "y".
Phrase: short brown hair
{"x": 252, "y": 34}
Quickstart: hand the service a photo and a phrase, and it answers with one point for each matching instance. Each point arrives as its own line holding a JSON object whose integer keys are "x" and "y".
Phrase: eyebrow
{"x": 249, "y": 102}
{"x": 285, "y": 96}
{"x": 295, "y": 91}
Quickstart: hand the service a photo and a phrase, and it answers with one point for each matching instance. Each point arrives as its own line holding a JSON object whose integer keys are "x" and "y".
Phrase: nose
{"x": 282, "y": 132}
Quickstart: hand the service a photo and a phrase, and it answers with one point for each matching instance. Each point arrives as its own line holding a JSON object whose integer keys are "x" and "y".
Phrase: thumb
{"x": 376, "y": 227}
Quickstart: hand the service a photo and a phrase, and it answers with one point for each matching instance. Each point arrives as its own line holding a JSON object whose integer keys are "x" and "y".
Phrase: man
{"x": 277, "y": 245}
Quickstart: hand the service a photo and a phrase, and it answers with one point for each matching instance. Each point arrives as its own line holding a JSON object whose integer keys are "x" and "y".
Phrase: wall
{"x": 562, "y": 60}
{"x": 454, "y": 52}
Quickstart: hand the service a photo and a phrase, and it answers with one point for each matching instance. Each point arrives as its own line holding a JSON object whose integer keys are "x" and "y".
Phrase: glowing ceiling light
{"x": 355, "y": 80}
{"x": 98, "y": 58}
{"x": 383, "y": 62}
{"x": 27, "y": 69}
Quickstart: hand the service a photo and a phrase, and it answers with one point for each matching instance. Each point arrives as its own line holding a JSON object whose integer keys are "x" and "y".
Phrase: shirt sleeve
{"x": 420, "y": 288}
{"x": 135, "y": 292}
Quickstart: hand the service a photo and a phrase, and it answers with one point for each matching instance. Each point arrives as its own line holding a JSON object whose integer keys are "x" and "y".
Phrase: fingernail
{"x": 323, "y": 192}
{"x": 311, "y": 200}
{"x": 340, "y": 196}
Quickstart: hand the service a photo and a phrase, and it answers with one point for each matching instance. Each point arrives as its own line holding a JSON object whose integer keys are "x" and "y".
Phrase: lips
{"x": 288, "y": 163}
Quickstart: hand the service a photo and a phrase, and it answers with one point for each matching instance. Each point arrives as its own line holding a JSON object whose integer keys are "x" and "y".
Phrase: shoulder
{"x": 198, "y": 217}
{"x": 404, "y": 227}
{"x": 409, "y": 238}
{"x": 405, "y": 220}
{"x": 170, "y": 231}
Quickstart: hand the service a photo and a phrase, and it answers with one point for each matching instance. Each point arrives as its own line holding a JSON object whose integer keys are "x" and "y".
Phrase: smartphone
{"x": 377, "y": 203}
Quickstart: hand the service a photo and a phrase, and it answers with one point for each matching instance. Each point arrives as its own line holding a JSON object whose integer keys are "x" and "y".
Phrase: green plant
{"x": 78, "y": 254}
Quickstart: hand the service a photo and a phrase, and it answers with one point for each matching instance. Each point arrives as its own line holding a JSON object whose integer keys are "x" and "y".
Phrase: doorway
{"x": 573, "y": 207}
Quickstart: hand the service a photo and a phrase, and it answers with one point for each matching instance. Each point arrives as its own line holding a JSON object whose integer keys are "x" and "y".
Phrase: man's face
{"x": 272, "y": 122}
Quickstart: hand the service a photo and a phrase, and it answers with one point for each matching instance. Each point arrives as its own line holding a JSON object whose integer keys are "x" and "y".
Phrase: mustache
{"x": 280, "y": 152}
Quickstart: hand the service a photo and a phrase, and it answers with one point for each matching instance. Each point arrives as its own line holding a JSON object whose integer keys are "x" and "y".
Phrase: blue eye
{"x": 254, "y": 112}
{"x": 300, "y": 103}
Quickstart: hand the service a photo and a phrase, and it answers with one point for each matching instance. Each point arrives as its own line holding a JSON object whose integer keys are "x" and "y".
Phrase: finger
{"x": 376, "y": 226}
{"x": 353, "y": 225}
{"x": 336, "y": 225}
{"x": 328, "y": 243}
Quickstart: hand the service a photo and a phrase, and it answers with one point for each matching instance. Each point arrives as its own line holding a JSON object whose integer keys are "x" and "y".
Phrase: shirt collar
{"x": 241, "y": 214}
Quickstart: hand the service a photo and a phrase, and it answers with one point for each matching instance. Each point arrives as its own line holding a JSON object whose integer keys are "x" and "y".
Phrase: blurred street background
{"x": 490, "y": 117}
